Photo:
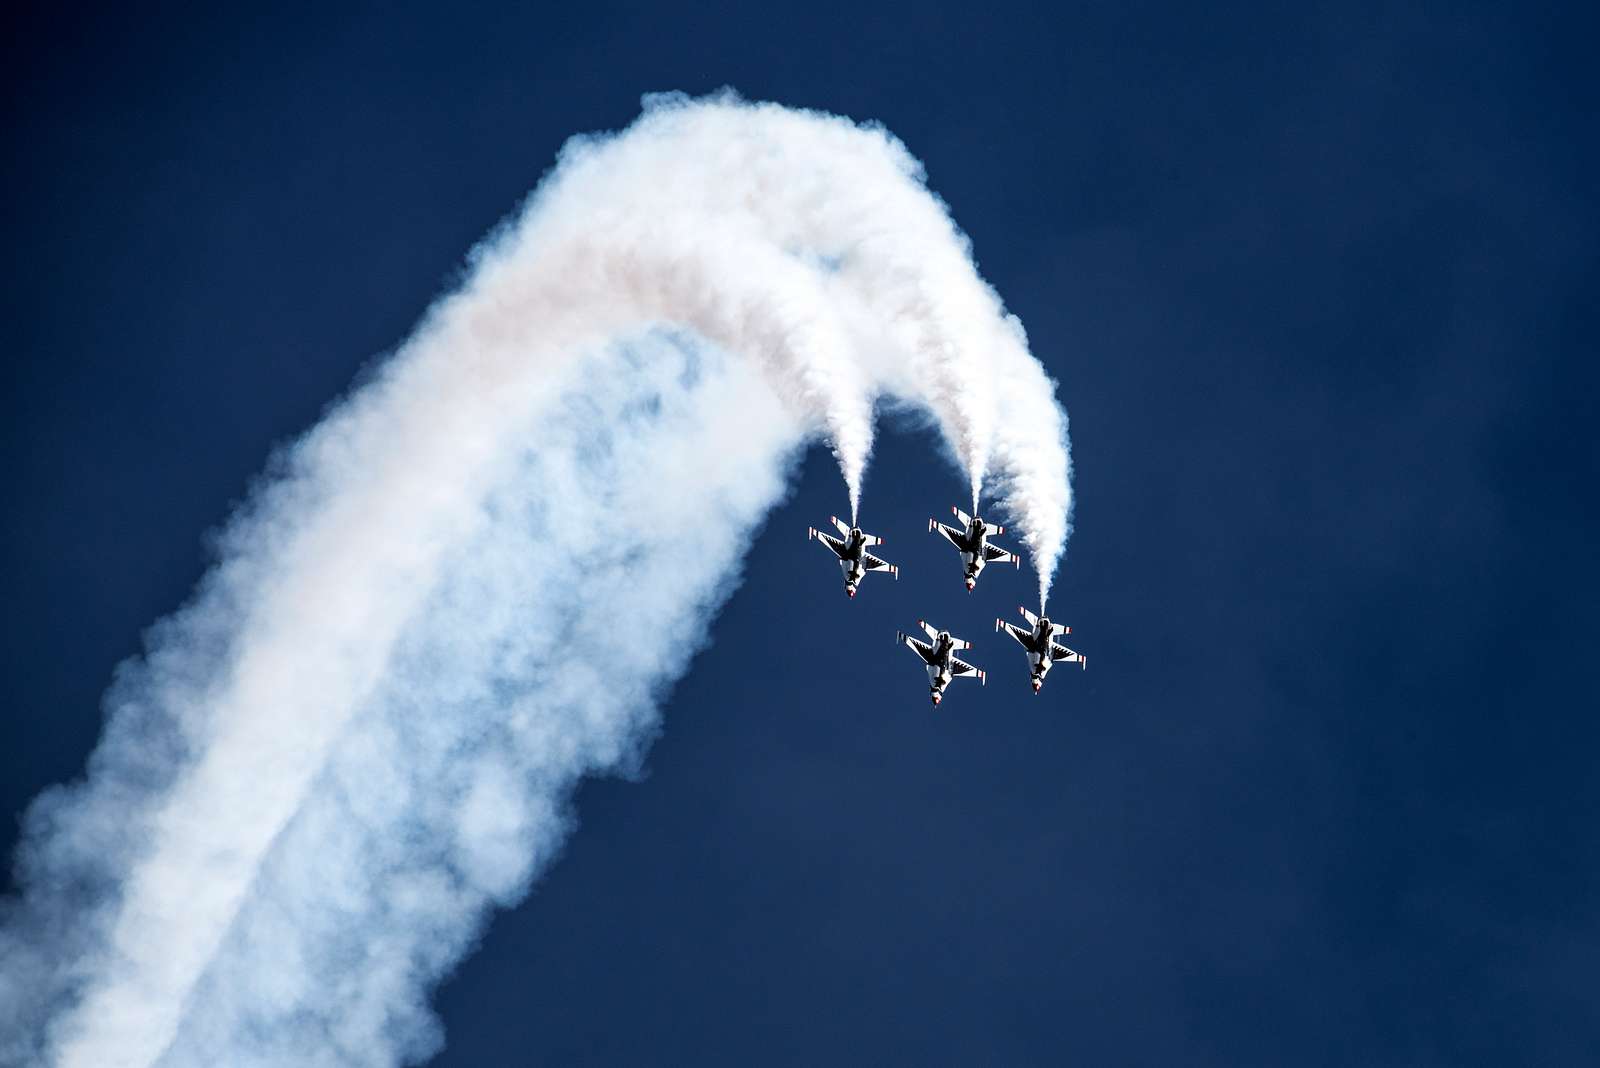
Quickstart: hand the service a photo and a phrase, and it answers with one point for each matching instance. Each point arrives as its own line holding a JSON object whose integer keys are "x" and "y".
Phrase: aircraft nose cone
{"x": 970, "y": 584}
{"x": 849, "y": 591}
{"x": 1036, "y": 685}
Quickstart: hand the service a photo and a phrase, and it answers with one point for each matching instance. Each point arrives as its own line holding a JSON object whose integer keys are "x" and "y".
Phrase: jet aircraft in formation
{"x": 977, "y": 552}
{"x": 972, "y": 542}
{"x": 940, "y": 659}
{"x": 854, "y": 560}
{"x": 1040, "y": 644}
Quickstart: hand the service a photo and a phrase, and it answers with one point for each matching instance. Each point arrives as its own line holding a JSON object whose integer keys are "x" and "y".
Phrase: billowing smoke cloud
{"x": 360, "y": 735}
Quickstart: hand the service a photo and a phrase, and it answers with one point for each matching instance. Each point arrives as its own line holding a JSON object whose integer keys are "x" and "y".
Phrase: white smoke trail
{"x": 465, "y": 588}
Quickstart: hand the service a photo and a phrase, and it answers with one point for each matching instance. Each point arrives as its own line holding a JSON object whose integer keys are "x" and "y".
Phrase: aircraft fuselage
{"x": 940, "y": 670}
{"x": 1038, "y": 647}
{"x": 853, "y": 561}
{"x": 973, "y": 545}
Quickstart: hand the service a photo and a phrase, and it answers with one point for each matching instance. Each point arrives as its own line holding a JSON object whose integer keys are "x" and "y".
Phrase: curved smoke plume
{"x": 359, "y": 736}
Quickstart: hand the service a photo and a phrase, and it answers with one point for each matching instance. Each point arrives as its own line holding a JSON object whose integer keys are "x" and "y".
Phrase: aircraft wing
{"x": 827, "y": 539}
{"x": 1060, "y": 652}
{"x": 922, "y": 649}
{"x": 872, "y": 563}
{"x": 961, "y": 669}
{"x": 994, "y": 552}
{"x": 950, "y": 534}
{"x": 1022, "y": 634}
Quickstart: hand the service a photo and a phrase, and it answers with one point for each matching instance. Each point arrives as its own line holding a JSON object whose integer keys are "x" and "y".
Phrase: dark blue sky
{"x": 1318, "y": 286}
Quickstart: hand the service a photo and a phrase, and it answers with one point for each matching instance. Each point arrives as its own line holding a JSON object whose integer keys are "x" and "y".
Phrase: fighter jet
{"x": 972, "y": 541}
{"x": 854, "y": 560}
{"x": 940, "y": 659}
{"x": 1040, "y": 644}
